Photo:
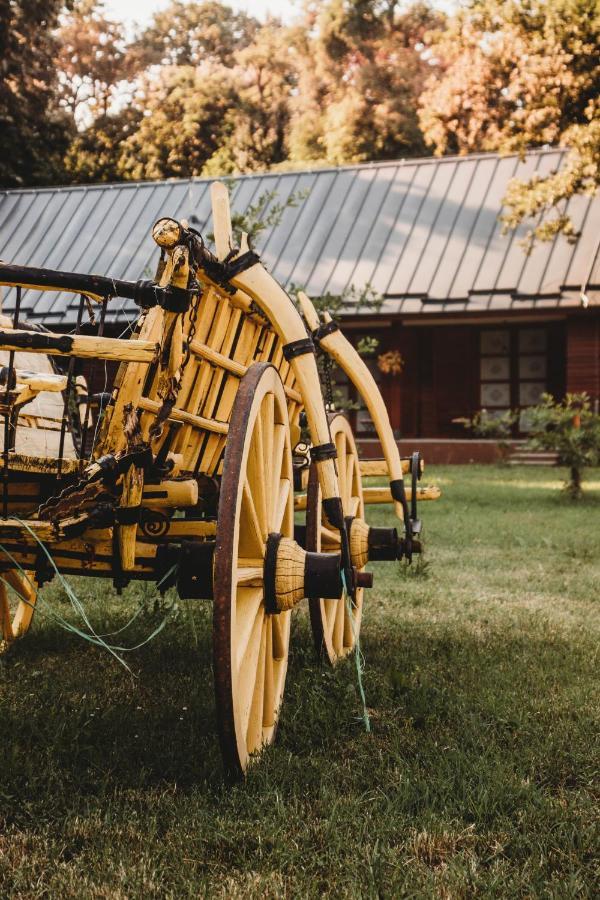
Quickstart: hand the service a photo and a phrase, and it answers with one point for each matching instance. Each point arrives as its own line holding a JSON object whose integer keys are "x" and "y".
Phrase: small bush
{"x": 571, "y": 428}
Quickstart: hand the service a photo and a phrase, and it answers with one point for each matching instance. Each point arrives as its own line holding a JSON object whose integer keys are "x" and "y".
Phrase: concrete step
{"x": 533, "y": 458}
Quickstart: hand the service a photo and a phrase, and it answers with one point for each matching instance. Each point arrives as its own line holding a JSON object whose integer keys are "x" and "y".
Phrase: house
{"x": 475, "y": 321}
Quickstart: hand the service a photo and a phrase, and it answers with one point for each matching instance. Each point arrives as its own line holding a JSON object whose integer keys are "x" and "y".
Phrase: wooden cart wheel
{"x": 334, "y": 631}
{"x": 16, "y": 606}
{"x": 256, "y": 499}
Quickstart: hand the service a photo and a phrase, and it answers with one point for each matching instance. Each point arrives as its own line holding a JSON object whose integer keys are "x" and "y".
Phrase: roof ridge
{"x": 314, "y": 170}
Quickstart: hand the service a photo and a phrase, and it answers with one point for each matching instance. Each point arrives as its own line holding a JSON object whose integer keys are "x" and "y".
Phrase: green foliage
{"x": 266, "y": 212}
{"x": 34, "y": 134}
{"x": 92, "y": 60}
{"x": 191, "y": 34}
{"x": 571, "y": 428}
{"x": 479, "y": 778}
{"x": 492, "y": 426}
{"x": 520, "y": 74}
{"x": 183, "y": 123}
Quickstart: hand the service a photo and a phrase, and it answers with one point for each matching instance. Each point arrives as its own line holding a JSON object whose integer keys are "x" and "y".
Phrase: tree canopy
{"x": 207, "y": 90}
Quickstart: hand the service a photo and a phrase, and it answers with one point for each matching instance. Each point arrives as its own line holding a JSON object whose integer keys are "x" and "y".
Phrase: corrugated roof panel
{"x": 390, "y": 234}
{"x": 273, "y": 240}
{"x": 459, "y": 239}
{"x": 433, "y": 256}
{"x": 388, "y": 194}
{"x": 355, "y": 253}
{"x": 492, "y": 263}
{"x": 410, "y": 228}
{"x": 516, "y": 257}
{"x": 298, "y": 227}
{"x": 483, "y": 230}
{"x": 334, "y": 248}
{"x": 582, "y": 259}
{"x": 562, "y": 250}
{"x": 320, "y": 250}
{"x": 421, "y": 228}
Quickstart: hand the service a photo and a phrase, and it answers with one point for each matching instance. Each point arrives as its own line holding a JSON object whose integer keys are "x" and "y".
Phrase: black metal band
{"x": 240, "y": 264}
{"x": 298, "y": 348}
{"x": 127, "y": 515}
{"x": 176, "y": 300}
{"x": 34, "y": 341}
{"x": 322, "y": 452}
{"x": 322, "y": 578}
{"x": 323, "y": 330}
{"x": 270, "y": 568}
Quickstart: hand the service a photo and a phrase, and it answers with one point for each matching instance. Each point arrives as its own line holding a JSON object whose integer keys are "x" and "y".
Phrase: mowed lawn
{"x": 480, "y": 776}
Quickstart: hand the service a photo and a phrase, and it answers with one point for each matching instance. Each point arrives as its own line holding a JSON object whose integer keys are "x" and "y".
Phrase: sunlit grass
{"x": 480, "y": 777}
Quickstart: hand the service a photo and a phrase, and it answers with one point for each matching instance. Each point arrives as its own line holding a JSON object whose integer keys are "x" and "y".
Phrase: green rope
{"x": 92, "y": 636}
{"x": 358, "y": 656}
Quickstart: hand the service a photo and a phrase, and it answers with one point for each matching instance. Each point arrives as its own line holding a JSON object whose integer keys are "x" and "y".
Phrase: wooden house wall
{"x": 583, "y": 355}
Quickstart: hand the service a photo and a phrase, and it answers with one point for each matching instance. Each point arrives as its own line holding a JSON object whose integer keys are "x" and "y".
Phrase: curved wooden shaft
{"x": 345, "y": 355}
{"x": 287, "y": 322}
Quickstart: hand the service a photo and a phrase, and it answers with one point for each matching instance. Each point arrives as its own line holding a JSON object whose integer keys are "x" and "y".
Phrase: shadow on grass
{"x": 447, "y": 709}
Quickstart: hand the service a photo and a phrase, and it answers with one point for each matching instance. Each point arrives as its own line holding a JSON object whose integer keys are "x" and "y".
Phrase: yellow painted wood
{"x": 91, "y": 347}
{"x": 341, "y": 350}
{"x": 180, "y": 415}
{"x": 372, "y": 468}
{"x": 170, "y": 493}
{"x": 131, "y": 497}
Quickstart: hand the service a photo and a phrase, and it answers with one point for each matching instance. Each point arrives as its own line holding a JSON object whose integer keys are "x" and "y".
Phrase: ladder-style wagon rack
{"x": 193, "y": 471}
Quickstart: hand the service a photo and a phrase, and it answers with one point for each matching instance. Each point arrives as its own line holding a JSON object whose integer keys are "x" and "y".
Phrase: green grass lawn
{"x": 480, "y": 776}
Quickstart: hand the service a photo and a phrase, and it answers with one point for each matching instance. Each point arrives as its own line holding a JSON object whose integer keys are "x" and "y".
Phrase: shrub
{"x": 570, "y": 428}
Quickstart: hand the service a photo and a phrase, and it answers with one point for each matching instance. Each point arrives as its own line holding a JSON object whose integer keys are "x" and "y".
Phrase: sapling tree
{"x": 571, "y": 428}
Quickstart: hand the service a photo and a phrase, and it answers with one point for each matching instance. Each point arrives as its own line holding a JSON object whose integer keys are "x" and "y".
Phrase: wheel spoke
{"x": 338, "y": 627}
{"x": 257, "y": 478}
{"x": 282, "y": 503}
{"x": 248, "y": 610}
{"x": 329, "y": 537}
{"x": 275, "y": 475}
{"x": 252, "y": 536}
{"x": 349, "y": 479}
{"x": 247, "y": 671}
{"x": 353, "y": 506}
{"x": 340, "y": 443}
{"x": 268, "y": 712}
{"x": 255, "y": 719}
{"x": 348, "y": 628}
{"x": 267, "y": 421}
{"x": 278, "y": 626}
{"x": 251, "y": 576}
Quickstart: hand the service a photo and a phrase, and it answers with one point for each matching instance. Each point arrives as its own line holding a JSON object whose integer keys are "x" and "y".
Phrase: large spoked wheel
{"x": 18, "y": 595}
{"x": 256, "y": 499}
{"x": 335, "y": 623}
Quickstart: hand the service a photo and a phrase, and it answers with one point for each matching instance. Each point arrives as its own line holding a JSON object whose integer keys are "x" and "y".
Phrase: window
{"x": 513, "y": 370}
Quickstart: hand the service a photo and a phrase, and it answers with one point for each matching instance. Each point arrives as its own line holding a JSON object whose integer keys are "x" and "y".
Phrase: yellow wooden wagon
{"x": 215, "y": 435}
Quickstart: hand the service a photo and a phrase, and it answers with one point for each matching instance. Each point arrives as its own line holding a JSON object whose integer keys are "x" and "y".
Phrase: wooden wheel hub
{"x": 291, "y": 574}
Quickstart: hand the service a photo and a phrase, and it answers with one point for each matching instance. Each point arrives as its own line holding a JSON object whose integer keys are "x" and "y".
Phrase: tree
{"x": 362, "y": 76}
{"x": 188, "y": 34}
{"x": 256, "y": 124}
{"x": 570, "y": 428}
{"x": 33, "y": 132}
{"x": 92, "y": 60}
{"x": 183, "y": 122}
{"x": 518, "y": 74}
{"x": 96, "y": 153}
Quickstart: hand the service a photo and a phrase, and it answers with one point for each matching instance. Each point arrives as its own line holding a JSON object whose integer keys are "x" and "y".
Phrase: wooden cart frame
{"x": 215, "y": 434}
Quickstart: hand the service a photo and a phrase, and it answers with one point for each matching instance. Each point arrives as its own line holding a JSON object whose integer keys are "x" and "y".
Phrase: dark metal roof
{"x": 424, "y": 233}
